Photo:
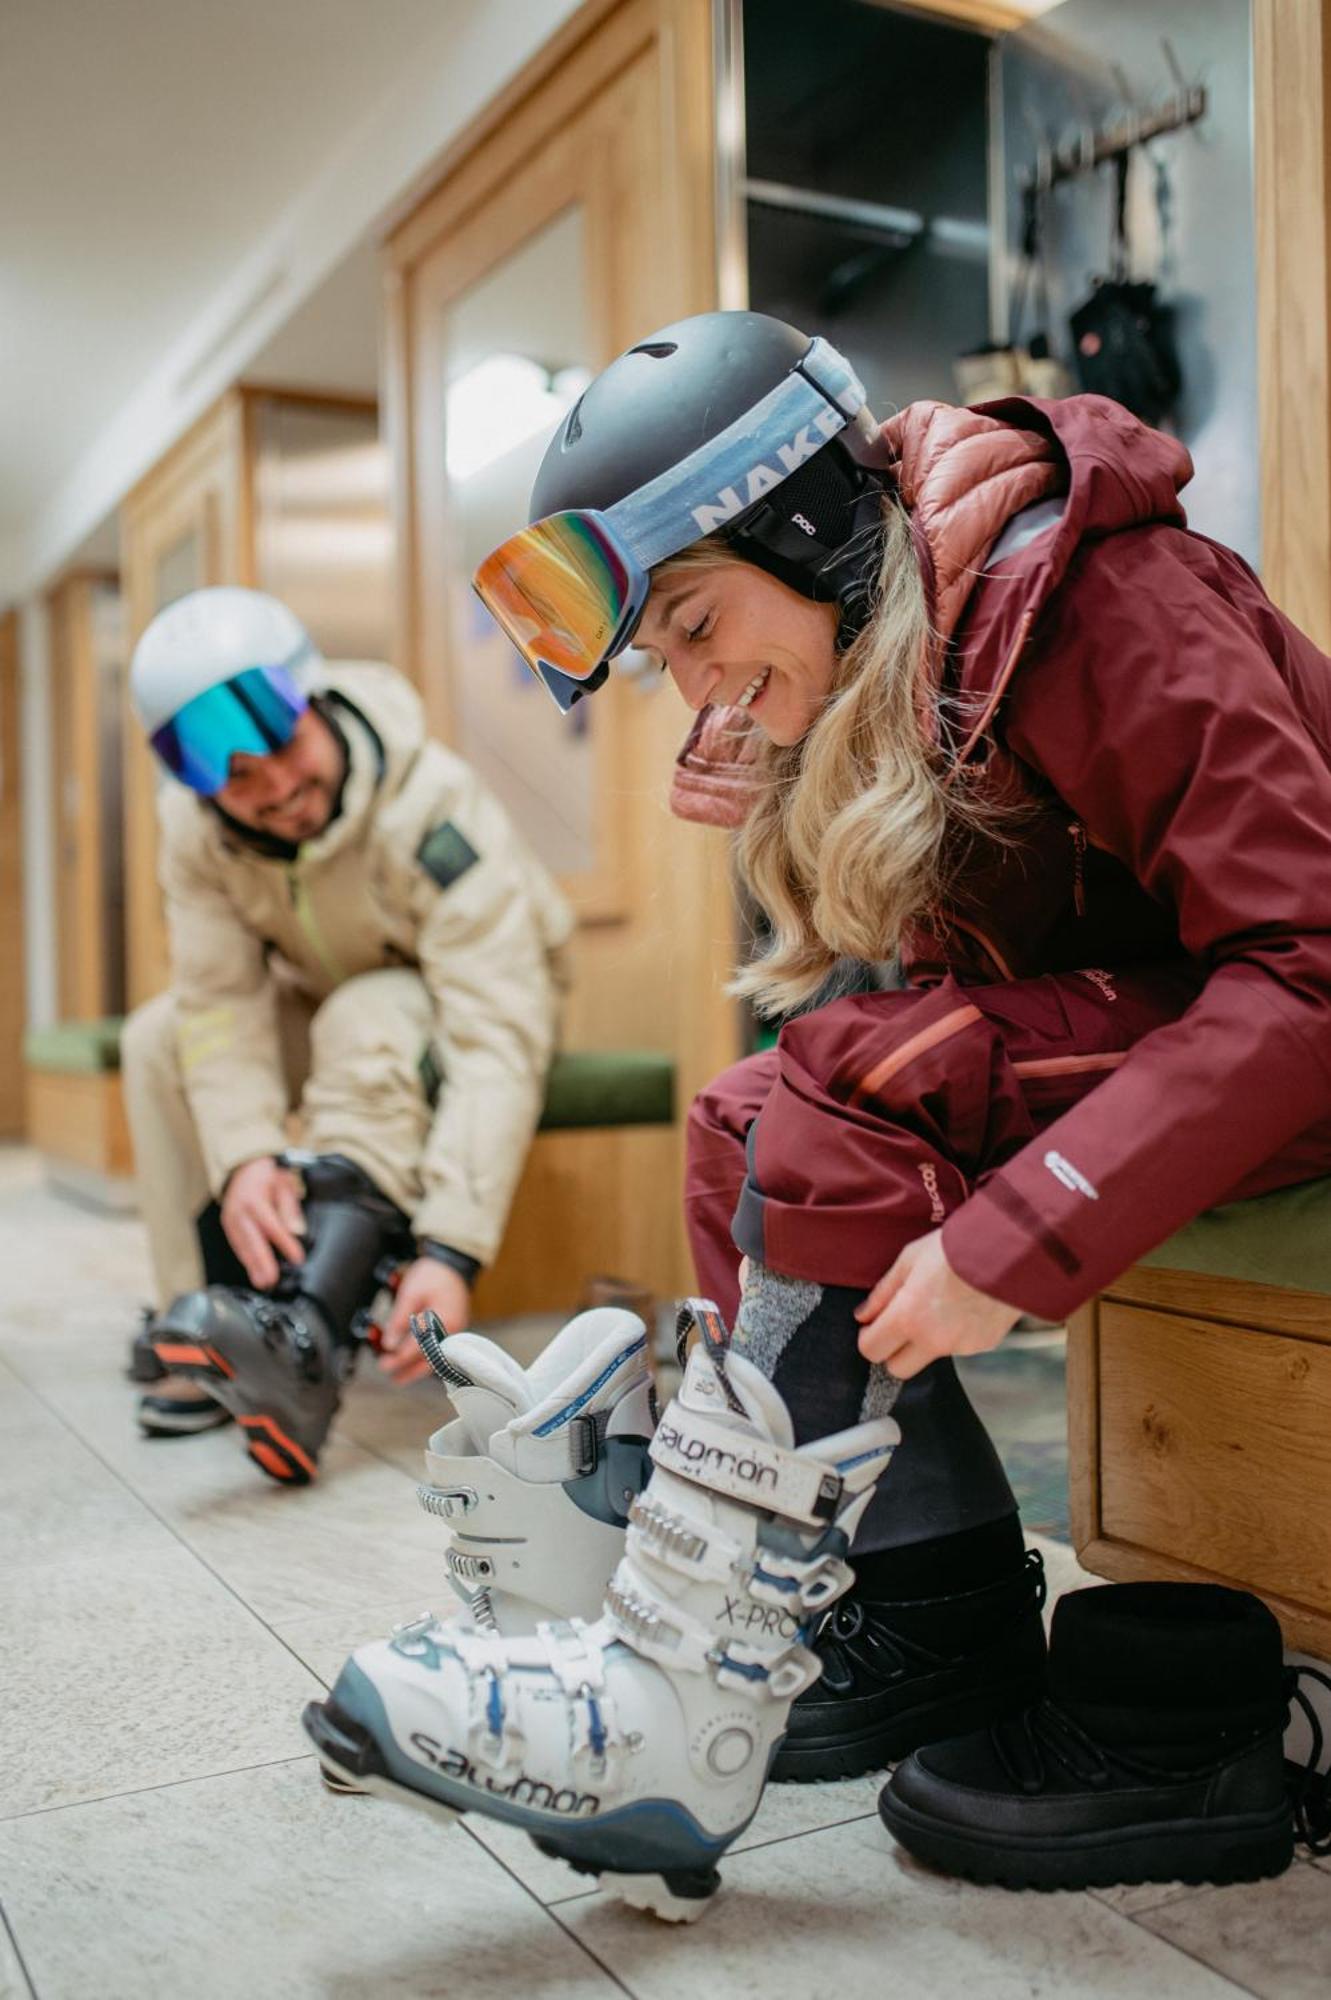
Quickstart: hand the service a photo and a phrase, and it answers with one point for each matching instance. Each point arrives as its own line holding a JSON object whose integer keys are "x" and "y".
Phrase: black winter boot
{"x": 1155, "y": 1756}
{"x": 278, "y": 1361}
{"x": 933, "y": 1640}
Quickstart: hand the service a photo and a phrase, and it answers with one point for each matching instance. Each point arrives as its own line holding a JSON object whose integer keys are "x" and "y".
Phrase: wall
{"x": 349, "y": 198}
{"x": 38, "y": 811}
{"x": 857, "y": 100}
{"x": 381, "y": 160}
{"x": 1199, "y": 240}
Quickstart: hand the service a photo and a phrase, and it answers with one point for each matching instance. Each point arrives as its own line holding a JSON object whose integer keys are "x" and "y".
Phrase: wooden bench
{"x": 599, "y": 1193}
{"x": 76, "y": 1112}
{"x": 1199, "y": 1411}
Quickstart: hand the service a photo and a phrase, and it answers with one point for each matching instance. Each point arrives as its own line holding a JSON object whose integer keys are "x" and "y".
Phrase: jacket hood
{"x": 383, "y": 723}
{"x": 962, "y": 475}
{"x": 1117, "y": 474}
{"x": 390, "y": 704}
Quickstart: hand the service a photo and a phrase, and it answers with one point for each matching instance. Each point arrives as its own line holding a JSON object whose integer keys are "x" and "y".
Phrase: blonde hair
{"x": 848, "y": 841}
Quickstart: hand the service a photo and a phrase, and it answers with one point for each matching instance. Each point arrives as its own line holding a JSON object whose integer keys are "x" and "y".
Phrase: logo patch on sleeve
{"x": 446, "y": 854}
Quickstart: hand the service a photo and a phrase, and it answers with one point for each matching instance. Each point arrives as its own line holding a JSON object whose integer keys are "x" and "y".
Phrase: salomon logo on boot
{"x": 635, "y": 1748}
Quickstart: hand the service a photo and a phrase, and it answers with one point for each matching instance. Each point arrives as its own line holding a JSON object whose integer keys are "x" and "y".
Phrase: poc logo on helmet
{"x": 763, "y": 477}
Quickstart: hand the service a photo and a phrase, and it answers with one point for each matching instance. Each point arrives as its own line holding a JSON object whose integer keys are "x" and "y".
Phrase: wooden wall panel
{"x": 13, "y": 998}
{"x": 275, "y": 488}
{"x": 186, "y": 524}
{"x": 616, "y": 116}
{"x": 86, "y": 694}
{"x": 1292, "y": 159}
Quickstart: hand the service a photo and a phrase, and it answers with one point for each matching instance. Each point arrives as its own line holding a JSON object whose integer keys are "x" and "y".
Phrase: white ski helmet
{"x": 220, "y": 671}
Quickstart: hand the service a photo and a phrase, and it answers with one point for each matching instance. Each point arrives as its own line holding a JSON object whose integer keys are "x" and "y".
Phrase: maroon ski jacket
{"x": 1176, "y": 729}
{"x": 1169, "y": 734}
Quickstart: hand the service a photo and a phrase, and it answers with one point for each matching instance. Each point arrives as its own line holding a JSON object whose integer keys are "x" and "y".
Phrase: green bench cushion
{"x": 86, "y": 1047}
{"x": 609, "y": 1087}
{"x": 1274, "y": 1239}
{"x": 586, "y": 1087}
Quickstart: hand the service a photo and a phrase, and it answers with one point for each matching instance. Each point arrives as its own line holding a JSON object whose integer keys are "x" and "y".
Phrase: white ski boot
{"x": 635, "y": 1748}
{"x": 535, "y": 1475}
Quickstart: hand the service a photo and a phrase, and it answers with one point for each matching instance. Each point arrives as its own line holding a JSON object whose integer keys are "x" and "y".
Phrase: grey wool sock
{"x": 773, "y": 1309}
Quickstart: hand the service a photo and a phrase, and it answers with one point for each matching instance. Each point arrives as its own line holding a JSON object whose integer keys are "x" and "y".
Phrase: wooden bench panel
{"x": 1213, "y": 1444}
{"x": 79, "y": 1117}
{"x": 1199, "y": 1441}
{"x": 602, "y": 1200}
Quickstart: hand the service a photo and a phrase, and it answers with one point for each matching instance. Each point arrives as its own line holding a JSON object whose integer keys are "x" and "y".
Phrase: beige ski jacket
{"x": 421, "y": 868}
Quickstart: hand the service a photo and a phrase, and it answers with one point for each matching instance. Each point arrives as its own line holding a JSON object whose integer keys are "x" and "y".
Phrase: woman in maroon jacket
{"x": 976, "y": 699}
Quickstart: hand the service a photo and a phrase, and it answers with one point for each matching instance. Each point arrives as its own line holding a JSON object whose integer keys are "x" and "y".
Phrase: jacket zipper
{"x": 990, "y": 950}
{"x": 309, "y": 923}
{"x": 1078, "y": 833}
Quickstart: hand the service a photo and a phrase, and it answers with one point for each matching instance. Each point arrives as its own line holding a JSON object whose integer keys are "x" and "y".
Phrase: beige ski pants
{"x": 353, "y": 1075}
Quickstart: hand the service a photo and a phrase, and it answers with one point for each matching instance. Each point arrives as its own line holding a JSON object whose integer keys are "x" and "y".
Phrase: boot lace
{"x": 858, "y": 1639}
{"x": 1310, "y": 1789}
{"x": 1045, "y": 1735}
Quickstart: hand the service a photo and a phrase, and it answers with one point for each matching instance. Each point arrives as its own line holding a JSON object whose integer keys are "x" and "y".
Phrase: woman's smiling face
{"x": 733, "y": 636}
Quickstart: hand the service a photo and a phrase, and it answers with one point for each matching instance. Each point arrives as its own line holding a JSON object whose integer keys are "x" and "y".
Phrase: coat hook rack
{"x": 1091, "y": 149}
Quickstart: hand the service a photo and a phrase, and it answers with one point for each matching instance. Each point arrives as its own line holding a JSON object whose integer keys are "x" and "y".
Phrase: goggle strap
{"x": 813, "y": 404}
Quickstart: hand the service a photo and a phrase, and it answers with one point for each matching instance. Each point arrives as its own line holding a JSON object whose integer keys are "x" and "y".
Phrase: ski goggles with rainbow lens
{"x": 253, "y": 714}
{"x": 570, "y": 589}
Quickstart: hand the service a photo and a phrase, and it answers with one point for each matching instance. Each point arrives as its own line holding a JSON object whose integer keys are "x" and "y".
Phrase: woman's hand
{"x": 921, "y": 1310}
{"x": 262, "y": 1219}
{"x": 427, "y": 1286}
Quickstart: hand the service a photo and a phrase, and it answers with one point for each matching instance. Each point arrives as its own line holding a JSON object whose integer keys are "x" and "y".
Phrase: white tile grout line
{"x": 549, "y": 1908}
{"x": 19, "y": 1959}
{"x": 812, "y": 1833}
{"x": 157, "y": 1516}
{"x": 230, "y": 1588}
{"x": 140, "y": 1791}
{"x": 755, "y": 1847}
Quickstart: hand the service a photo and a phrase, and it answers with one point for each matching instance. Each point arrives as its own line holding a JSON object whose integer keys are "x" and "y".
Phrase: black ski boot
{"x": 165, "y": 1411}
{"x": 1155, "y": 1756}
{"x": 919, "y": 1649}
{"x": 277, "y": 1361}
{"x": 144, "y": 1367}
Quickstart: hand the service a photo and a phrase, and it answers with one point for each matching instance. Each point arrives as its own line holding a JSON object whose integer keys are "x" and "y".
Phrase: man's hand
{"x": 262, "y": 1218}
{"x": 921, "y": 1310}
{"x": 427, "y": 1286}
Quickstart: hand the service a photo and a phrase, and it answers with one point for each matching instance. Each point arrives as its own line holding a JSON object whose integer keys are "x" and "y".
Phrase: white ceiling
{"x": 177, "y": 178}
{"x": 142, "y": 146}
{"x": 191, "y": 190}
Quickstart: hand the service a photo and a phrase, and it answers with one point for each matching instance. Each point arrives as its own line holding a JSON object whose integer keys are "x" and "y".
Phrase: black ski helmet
{"x": 695, "y": 412}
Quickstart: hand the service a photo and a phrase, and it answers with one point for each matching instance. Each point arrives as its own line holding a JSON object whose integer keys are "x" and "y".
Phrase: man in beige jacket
{"x": 358, "y": 934}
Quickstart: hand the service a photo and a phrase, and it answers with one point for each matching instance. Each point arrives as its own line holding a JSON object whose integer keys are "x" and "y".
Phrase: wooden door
{"x": 577, "y": 218}
{"x": 185, "y": 525}
{"x": 87, "y": 662}
{"x": 13, "y": 1000}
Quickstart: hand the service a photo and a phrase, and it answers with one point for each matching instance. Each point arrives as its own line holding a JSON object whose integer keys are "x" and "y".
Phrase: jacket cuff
{"x": 996, "y": 1254}
{"x": 239, "y": 1150}
{"x": 445, "y": 1219}
{"x": 467, "y": 1268}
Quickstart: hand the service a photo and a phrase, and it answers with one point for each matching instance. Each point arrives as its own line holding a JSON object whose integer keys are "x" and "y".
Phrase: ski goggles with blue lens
{"x": 252, "y": 714}
{"x": 570, "y": 589}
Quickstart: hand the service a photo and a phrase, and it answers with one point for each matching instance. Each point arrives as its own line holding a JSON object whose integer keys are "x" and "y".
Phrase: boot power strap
{"x": 674, "y": 1639}
{"x": 744, "y": 1467}
{"x": 799, "y": 1585}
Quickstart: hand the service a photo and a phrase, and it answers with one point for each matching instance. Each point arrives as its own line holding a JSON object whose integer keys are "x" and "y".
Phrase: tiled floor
{"x": 164, "y": 1614}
